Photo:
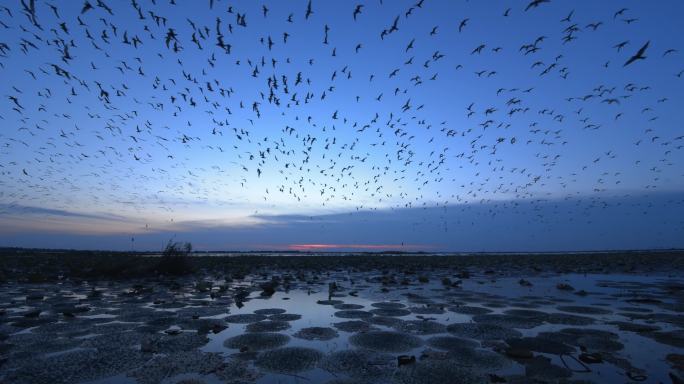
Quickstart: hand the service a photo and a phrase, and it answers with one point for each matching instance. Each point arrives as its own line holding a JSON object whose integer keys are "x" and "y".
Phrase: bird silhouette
{"x": 462, "y": 25}
{"x": 309, "y": 11}
{"x": 535, "y": 4}
{"x": 357, "y": 11}
{"x": 639, "y": 55}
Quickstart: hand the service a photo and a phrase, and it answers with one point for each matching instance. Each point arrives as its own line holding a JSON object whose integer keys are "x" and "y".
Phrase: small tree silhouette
{"x": 174, "y": 259}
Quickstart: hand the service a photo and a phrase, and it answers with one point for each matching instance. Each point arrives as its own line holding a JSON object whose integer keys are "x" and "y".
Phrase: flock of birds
{"x": 144, "y": 103}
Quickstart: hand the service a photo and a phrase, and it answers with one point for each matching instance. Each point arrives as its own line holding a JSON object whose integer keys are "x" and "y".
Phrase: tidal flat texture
{"x": 606, "y": 318}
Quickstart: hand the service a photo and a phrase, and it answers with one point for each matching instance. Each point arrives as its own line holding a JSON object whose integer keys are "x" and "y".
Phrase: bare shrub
{"x": 174, "y": 259}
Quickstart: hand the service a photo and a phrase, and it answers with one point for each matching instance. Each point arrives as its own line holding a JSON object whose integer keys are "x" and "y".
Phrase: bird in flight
{"x": 639, "y": 55}
{"x": 462, "y": 25}
{"x": 357, "y": 11}
{"x": 309, "y": 12}
{"x": 535, "y": 4}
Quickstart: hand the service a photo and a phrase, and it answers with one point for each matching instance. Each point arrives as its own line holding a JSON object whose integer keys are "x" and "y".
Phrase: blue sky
{"x": 78, "y": 171}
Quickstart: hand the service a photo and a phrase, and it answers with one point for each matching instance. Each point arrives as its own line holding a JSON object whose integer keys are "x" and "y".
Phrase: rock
{"x": 565, "y": 287}
{"x": 591, "y": 358}
{"x": 32, "y": 314}
{"x": 405, "y": 360}
{"x": 675, "y": 379}
{"x": 268, "y": 288}
{"x": 636, "y": 376}
{"x": 174, "y": 330}
{"x": 204, "y": 286}
{"x": 213, "y": 328}
{"x": 676, "y": 361}
{"x": 464, "y": 275}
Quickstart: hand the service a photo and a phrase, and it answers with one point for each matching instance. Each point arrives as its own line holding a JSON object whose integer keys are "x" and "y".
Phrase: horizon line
{"x": 379, "y": 252}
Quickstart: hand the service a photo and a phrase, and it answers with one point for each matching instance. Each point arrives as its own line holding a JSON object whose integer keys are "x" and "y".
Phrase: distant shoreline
{"x": 214, "y": 253}
{"x": 49, "y": 266}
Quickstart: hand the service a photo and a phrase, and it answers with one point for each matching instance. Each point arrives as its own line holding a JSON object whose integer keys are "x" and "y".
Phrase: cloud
{"x": 21, "y": 218}
{"x": 14, "y": 209}
{"x": 16, "y": 219}
{"x": 208, "y": 224}
{"x": 573, "y": 224}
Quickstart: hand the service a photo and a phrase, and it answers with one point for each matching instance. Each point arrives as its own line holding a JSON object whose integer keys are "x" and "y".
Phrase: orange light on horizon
{"x": 319, "y": 247}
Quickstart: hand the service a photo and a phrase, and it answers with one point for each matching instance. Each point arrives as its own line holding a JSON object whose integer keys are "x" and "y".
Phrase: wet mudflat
{"x": 441, "y": 325}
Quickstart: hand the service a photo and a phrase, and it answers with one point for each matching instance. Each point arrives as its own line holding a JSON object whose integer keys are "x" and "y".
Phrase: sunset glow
{"x": 361, "y": 247}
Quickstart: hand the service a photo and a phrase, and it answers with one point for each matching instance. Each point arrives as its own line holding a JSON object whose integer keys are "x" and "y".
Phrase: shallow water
{"x": 128, "y": 314}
